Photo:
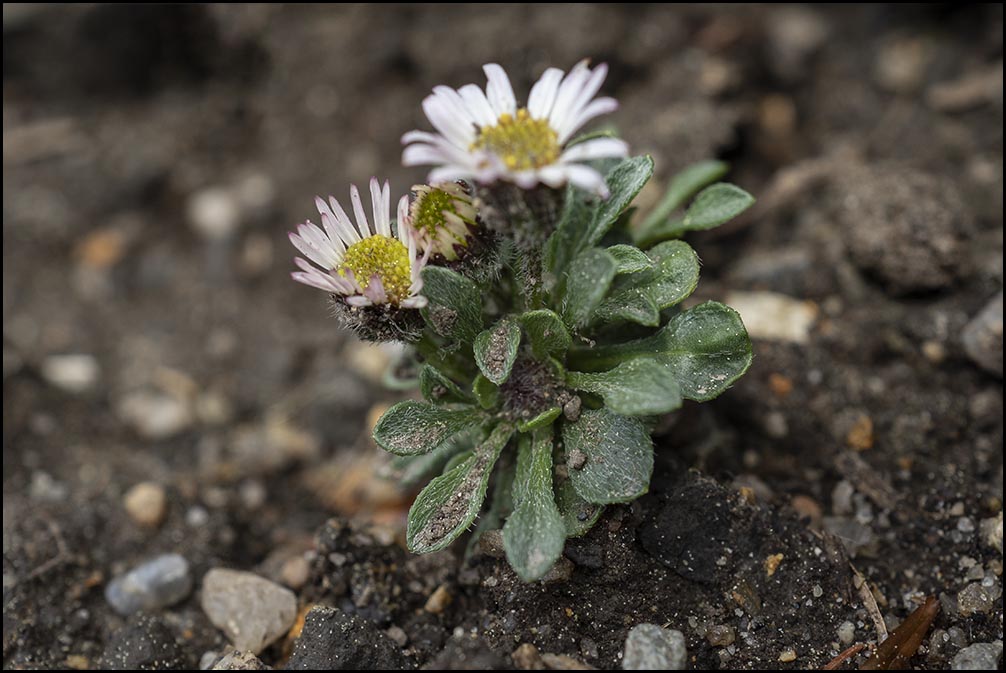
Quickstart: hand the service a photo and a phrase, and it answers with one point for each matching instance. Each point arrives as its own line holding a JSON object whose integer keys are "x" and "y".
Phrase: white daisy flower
{"x": 484, "y": 136}
{"x": 362, "y": 265}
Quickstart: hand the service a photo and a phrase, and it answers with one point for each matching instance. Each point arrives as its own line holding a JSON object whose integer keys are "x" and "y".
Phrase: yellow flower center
{"x": 521, "y": 142}
{"x": 385, "y": 257}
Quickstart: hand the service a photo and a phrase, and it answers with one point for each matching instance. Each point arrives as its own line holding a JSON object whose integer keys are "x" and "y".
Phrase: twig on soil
{"x": 894, "y": 653}
{"x": 870, "y": 603}
{"x": 62, "y": 553}
{"x": 844, "y": 656}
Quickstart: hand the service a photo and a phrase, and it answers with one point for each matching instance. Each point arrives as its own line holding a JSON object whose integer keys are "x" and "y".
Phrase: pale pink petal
{"x": 499, "y": 91}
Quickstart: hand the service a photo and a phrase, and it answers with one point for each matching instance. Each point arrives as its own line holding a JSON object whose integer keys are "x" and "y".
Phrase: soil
{"x": 154, "y": 159}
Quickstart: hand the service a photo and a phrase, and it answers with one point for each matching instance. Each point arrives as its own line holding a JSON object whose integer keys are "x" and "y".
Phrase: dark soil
{"x": 154, "y": 159}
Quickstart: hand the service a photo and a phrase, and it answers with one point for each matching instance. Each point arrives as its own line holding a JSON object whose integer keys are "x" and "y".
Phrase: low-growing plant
{"x": 543, "y": 314}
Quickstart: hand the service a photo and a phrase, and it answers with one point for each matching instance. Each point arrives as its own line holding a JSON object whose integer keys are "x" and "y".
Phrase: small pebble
{"x": 527, "y": 658}
{"x": 976, "y": 597}
{"x": 992, "y": 532}
{"x": 153, "y": 585}
{"x": 155, "y": 415}
{"x": 847, "y": 632}
{"x": 978, "y": 657}
{"x": 398, "y": 634}
{"x": 295, "y": 572}
{"x": 214, "y": 213}
{"x": 251, "y": 611}
{"x": 721, "y": 635}
{"x": 438, "y": 600}
{"x": 74, "y": 373}
{"x": 239, "y": 661}
{"x": 772, "y": 564}
{"x": 787, "y": 656}
{"x": 146, "y": 503}
{"x": 650, "y": 647}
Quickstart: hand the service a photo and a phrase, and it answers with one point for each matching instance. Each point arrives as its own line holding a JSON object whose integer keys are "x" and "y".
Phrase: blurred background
{"x": 155, "y": 156}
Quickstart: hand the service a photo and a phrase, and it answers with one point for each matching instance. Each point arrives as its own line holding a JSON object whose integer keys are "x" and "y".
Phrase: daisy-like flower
{"x": 443, "y": 219}
{"x": 484, "y": 136}
{"x": 364, "y": 266}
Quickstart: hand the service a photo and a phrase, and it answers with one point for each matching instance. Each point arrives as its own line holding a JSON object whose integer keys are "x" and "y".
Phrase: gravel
{"x": 650, "y": 647}
{"x": 252, "y": 611}
{"x": 156, "y": 584}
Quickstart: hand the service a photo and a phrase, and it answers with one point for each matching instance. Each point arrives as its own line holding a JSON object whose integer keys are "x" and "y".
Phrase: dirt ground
{"x": 154, "y": 159}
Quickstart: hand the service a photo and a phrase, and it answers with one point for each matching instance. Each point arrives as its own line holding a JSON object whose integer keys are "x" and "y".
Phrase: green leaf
{"x": 546, "y": 332}
{"x": 629, "y": 258}
{"x": 683, "y": 186}
{"x": 715, "y": 205}
{"x": 584, "y": 220}
{"x": 410, "y": 428}
{"x": 542, "y": 420}
{"x": 496, "y": 350}
{"x": 609, "y": 457}
{"x": 455, "y": 304}
{"x": 486, "y": 392}
{"x": 641, "y": 297}
{"x": 642, "y": 387}
{"x": 439, "y": 389}
{"x": 590, "y": 274}
{"x": 535, "y": 533}
{"x": 449, "y": 504}
{"x": 706, "y": 347}
{"x": 578, "y": 514}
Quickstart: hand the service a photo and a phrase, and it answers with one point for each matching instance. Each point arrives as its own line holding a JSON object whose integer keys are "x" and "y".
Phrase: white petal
{"x": 358, "y": 300}
{"x": 455, "y": 105}
{"x": 595, "y": 108}
{"x": 589, "y": 89}
{"x": 499, "y": 91}
{"x": 477, "y": 103}
{"x": 543, "y": 94}
{"x": 423, "y": 155}
{"x": 598, "y": 148}
{"x": 415, "y": 302}
{"x": 303, "y": 242}
{"x": 447, "y": 122}
{"x": 449, "y": 173}
{"x": 420, "y": 137}
{"x": 375, "y": 290}
{"x": 343, "y": 224}
{"x": 403, "y": 214}
{"x": 587, "y": 179}
{"x": 312, "y": 280}
{"x": 553, "y": 176}
{"x": 361, "y": 215}
{"x": 378, "y": 208}
{"x": 569, "y": 90}
{"x": 525, "y": 179}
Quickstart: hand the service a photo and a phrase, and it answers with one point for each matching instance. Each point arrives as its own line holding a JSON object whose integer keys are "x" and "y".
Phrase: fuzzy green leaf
{"x": 629, "y": 258}
{"x": 410, "y": 428}
{"x": 590, "y": 274}
{"x": 641, "y": 297}
{"x": 486, "y": 392}
{"x": 413, "y": 470}
{"x": 455, "y": 304}
{"x": 546, "y": 332}
{"x": 715, "y": 205}
{"x": 578, "y": 514}
{"x": 449, "y": 504}
{"x": 642, "y": 387}
{"x": 683, "y": 186}
{"x": 706, "y": 347}
{"x": 496, "y": 350}
{"x": 438, "y": 389}
{"x": 609, "y": 457}
{"x": 585, "y": 219}
{"x": 535, "y": 533}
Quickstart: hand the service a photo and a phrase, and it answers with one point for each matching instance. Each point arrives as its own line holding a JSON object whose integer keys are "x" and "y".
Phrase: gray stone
{"x": 983, "y": 337}
{"x": 153, "y": 585}
{"x": 649, "y": 647}
{"x": 239, "y": 661}
{"x": 251, "y": 611}
{"x": 976, "y": 597}
{"x": 992, "y": 532}
{"x": 978, "y": 657}
{"x": 155, "y": 414}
